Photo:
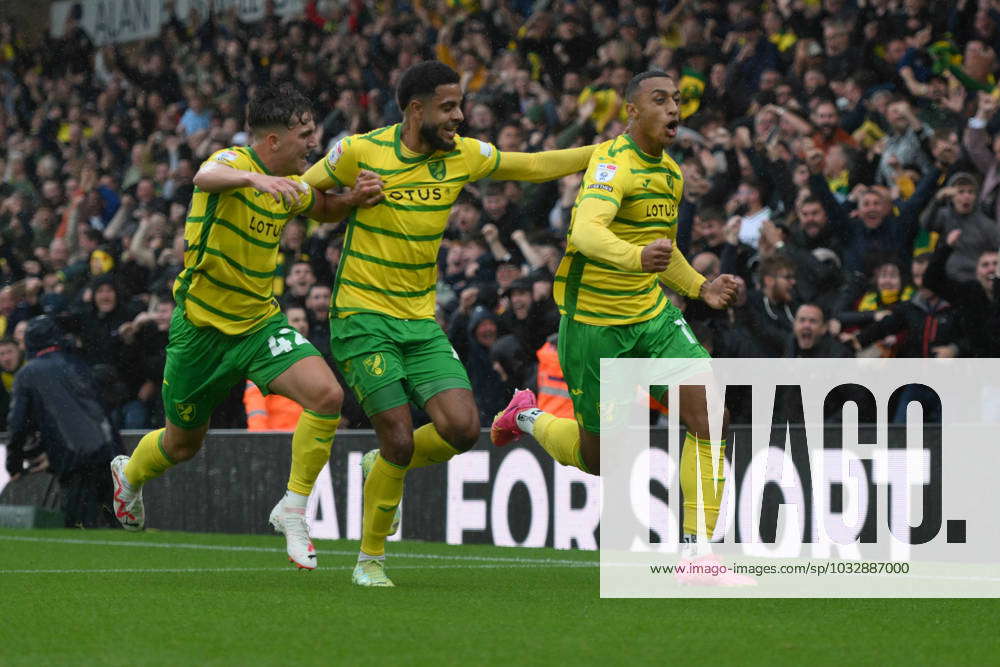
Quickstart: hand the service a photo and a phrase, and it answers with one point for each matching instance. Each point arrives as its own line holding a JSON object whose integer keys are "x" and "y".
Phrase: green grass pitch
{"x": 111, "y": 598}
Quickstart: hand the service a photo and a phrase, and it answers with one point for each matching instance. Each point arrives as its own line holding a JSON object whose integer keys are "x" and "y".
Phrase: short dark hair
{"x": 633, "y": 86}
{"x": 823, "y": 315}
{"x": 317, "y": 285}
{"x": 770, "y": 266}
{"x": 711, "y": 213}
{"x": 277, "y": 105}
{"x": 423, "y": 79}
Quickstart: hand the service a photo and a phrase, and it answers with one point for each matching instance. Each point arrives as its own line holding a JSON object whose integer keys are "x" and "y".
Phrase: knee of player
{"x": 329, "y": 399}
{"x": 463, "y": 434}
{"x": 181, "y": 449}
{"x": 397, "y": 446}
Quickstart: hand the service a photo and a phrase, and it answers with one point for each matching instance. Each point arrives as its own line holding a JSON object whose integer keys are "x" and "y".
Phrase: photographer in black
{"x": 55, "y": 394}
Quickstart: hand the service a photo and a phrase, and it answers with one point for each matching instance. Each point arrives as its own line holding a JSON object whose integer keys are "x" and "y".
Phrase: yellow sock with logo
{"x": 382, "y": 493}
{"x": 148, "y": 461}
{"x": 429, "y": 448}
{"x": 561, "y": 439}
{"x": 702, "y": 460}
{"x": 311, "y": 443}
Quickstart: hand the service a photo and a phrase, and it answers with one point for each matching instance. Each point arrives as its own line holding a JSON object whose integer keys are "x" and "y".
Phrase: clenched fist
{"x": 656, "y": 256}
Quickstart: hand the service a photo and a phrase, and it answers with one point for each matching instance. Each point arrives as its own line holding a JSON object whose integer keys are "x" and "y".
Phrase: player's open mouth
{"x": 672, "y": 128}
{"x": 449, "y": 132}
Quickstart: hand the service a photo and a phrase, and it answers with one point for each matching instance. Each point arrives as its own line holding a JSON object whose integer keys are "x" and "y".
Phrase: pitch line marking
{"x": 215, "y": 547}
{"x": 216, "y": 570}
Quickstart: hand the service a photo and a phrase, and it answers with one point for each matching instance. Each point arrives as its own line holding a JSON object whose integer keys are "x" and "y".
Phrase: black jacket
{"x": 55, "y": 394}
{"x": 768, "y": 324}
{"x": 489, "y": 390}
{"x": 978, "y": 312}
{"x": 923, "y": 325}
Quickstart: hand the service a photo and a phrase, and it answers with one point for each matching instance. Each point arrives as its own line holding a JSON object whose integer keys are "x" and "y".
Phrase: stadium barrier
{"x": 511, "y": 496}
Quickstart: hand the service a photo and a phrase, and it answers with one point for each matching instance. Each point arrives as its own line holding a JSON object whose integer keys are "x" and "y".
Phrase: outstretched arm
{"x": 681, "y": 277}
{"x": 216, "y": 176}
{"x": 334, "y": 206}
{"x": 541, "y": 167}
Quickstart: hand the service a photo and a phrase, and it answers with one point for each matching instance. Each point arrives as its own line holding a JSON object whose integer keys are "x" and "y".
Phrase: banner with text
{"x": 119, "y": 21}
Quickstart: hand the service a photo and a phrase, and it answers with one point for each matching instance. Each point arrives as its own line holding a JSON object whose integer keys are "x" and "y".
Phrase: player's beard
{"x": 432, "y": 135}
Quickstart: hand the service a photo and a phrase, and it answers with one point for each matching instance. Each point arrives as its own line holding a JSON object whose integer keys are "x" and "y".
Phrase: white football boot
{"x": 129, "y": 510}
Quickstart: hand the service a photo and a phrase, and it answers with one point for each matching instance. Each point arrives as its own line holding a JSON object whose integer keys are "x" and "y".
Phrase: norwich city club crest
{"x": 186, "y": 411}
{"x": 374, "y": 364}
{"x": 437, "y": 169}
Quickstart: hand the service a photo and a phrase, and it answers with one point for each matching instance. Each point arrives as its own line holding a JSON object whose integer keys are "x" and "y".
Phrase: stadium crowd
{"x": 838, "y": 155}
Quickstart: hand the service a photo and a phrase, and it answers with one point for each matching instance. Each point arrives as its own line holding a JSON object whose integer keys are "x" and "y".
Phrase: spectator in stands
{"x": 925, "y": 322}
{"x": 954, "y": 207}
{"x": 473, "y": 335}
{"x": 317, "y": 304}
{"x": 297, "y": 283}
{"x": 977, "y": 302}
{"x": 56, "y": 394}
{"x": 145, "y": 339}
{"x": 11, "y": 361}
{"x": 768, "y": 313}
{"x": 810, "y": 337}
{"x": 531, "y": 314}
{"x": 985, "y": 156}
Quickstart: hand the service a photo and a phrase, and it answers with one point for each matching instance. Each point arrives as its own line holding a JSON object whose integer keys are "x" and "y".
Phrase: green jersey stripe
{"x": 657, "y": 170}
{"x": 210, "y": 206}
{"x": 387, "y": 172}
{"x": 397, "y": 147}
{"x": 351, "y": 222}
{"x": 496, "y": 165}
{"x": 246, "y": 237}
{"x": 329, "y": 172}
{"x": 649, "y": 195}
{"x": 396, "y": 235}
{"x": 385, "y": 262}
{"x": 216, "y": 311}
{"x": 233, "y": 263}
{"x": 630, "y": 316}
{"x": 602, "y": 265}
{"x": 257, "y": 209}
{"x": 610, "y": 292}
{"x": 415, "y": 207}
{"x": 573, "y": 278}
{"x": 357, "y": 310}
{"x": 594, "y": 195}
{"x": 418, "y": 184}
{"x": 256, "y": 158}
{"x": 387, "y": 292}
{"x": 645, "y": 157}
{"x": 233, "y": 288}
{"x": 378, "y": 142}
{"x": 654, "y": 223}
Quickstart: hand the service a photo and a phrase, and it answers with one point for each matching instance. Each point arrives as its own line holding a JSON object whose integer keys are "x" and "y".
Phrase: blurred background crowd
{"x": 839, "y": 157}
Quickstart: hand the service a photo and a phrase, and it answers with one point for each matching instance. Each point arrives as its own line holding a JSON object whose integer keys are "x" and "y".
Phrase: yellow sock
{"x": 383, "y": 491}
{"x": 561, "y": 439}
{"x": 697, "y": 461}
{"x": 311, "y": 445}
{"x": 148, "y": 460}
{"x": 429, "y": 448}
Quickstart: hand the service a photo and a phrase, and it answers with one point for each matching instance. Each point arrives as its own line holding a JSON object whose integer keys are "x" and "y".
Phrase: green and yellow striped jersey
{"x": 634, "y": 196}
{"x": 389, "y": 262}
{"x": 231, "y": 250}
